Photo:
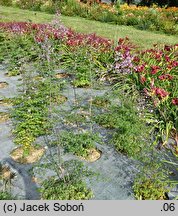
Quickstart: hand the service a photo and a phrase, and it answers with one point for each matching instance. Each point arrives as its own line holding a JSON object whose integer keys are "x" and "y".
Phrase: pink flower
{"x": 146, "y": 91}
{"x": 158, "y": 56}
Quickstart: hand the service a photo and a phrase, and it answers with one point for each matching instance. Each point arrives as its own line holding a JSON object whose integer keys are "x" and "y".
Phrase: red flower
{"x": 142, "y": 79}
{"x": 167, "y": 48}
{"x": 165, "y": 76}
{"x": 39, "y": 39}
{"x": 140, "y": 68}
{"x": 154, "y": 69}
{"x": 161, "y": 93}
{"x": 121, "y": 40}
{"x": 167, "y": 58}
{"x": 175, "y": 101}
{"x": 169, "y": 67}
{"x": 56, "y": 35}
{"x": 174, "y": 63}
{"x": 136, "y": 59}
{"x": 158, "y": 56}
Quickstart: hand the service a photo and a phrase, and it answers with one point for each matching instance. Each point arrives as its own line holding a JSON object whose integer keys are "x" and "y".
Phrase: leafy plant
{"x": 4, "y": 195}
{"x": 53, "y": 189}
{"x": 79, "y": 143}
{"x": 151, "y": 184}
{"x": 129, "y": 129}
{"x": 6, "y": 2}
{"x": 101, "y": 101}
{"x": 71, "y": 186}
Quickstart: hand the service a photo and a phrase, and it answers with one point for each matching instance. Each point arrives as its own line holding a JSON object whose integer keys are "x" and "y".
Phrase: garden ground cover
{"x": 116, "y": 182}
{"x": 89, "y": 62}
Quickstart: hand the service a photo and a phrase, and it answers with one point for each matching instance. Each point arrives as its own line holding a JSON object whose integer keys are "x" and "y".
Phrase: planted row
{"x": 146, "y": 18}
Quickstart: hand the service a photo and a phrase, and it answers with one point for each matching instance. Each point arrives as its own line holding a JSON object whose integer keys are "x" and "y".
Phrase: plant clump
{"x": 79, "y": 144}
{"x": 71, "y": 186}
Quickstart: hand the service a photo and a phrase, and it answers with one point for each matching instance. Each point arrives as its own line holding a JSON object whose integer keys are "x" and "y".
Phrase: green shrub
{"x": 132, "y": 21}
{"x": 107, "y": 16}
{"x": 48, "y": 7}
{"x": 53, "y": 189}
{"x": 168, "y": 27}
{"x": 71, "y": 186}
{"x": 6, "y": 2}
{"x": 78, "y": 144}
{"x": 130, "y": 133}
{"x": 4, "y": 195}
{"x": 101, "y": 101}
{"x": 150, "y": 184}
{"x": 72, "y": 8}
{"x": 29, "y": 4}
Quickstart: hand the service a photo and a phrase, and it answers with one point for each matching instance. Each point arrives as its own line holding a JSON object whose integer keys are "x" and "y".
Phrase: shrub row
{"x": 144, "y": 18}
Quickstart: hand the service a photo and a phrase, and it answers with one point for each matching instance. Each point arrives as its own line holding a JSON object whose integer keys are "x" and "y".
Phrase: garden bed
{"x": 113, "y": 100}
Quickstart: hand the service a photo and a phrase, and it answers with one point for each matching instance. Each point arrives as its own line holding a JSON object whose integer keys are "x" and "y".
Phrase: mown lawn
{"x": 144, "y": 39}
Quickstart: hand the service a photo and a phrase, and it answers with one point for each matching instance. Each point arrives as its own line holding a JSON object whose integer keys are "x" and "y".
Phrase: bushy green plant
{"x": 32, "y": 4}
{"x": 4, "y": 195}
{"x": 48, "y": 7}
{"x": 132, "y": 21}
{"x": 18, "y": 50}
{"x": 79, "y": 143}
{"x": 31, "y": 113}
{"x": 74, "y": 118}
{"x": 53, "y": 189}
{"x": 71, "y": 186}
{"x": 6, "y": 2}
{"x": 151, "y": 184}
{"x": 100, "y": 101}
{"x": 130, "y": 134}
{"x": 83, "y": 63}
{"x": 107, "y": 16}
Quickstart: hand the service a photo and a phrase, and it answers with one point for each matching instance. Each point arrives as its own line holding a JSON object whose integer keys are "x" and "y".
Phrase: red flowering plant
{"x": 156, "y": 73}
{"x": 70, "y": 48}
{"x": 153, "y": 73}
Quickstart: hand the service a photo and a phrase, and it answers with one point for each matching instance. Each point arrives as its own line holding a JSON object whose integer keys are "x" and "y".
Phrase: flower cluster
{"x": 155, "y": 73}
{"x": 157, "y": 70}
{"x": 175, "y": 101}
{"x": 126, "y": 7}
{"x": 61, "y": 33}
{"x": 124, "y": 56}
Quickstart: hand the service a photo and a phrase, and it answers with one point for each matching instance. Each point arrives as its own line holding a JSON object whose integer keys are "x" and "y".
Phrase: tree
{"x": 161, "y": 3}
{"x": 129, "y": 1}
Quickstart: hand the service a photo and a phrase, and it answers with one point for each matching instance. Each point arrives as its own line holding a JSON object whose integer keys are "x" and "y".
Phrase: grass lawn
{"x": 144, "y": 39}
